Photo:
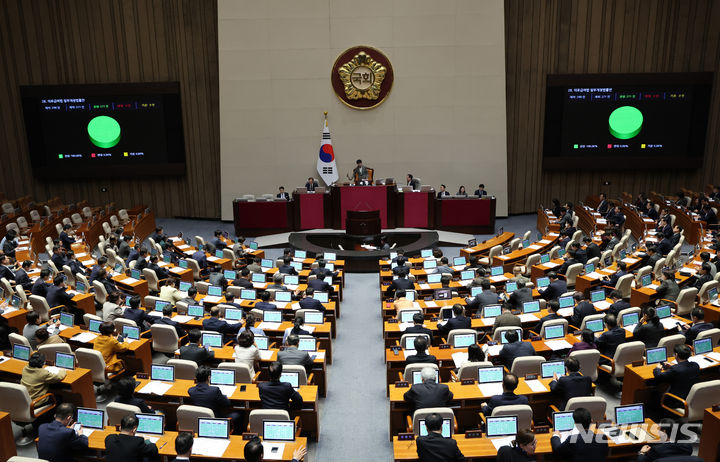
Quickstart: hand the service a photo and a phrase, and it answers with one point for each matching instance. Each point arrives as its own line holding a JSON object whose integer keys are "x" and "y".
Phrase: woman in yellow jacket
{"x": 109, "y": 347}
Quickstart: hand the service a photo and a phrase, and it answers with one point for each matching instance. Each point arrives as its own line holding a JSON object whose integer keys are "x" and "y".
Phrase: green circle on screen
{"x": 104, "y": 132}
{"x": 625, "y": 122}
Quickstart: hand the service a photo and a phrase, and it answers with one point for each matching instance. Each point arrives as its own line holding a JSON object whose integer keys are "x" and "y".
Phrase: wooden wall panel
{"x": 106, "y": 41}
{"x": 597, "y": 36}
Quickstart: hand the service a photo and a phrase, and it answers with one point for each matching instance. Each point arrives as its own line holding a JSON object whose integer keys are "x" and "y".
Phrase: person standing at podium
{"x": 360, "y": 172}
{"x": 311, "y": 184}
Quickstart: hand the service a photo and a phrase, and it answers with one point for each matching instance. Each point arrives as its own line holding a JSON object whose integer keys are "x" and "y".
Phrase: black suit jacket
{"x": 681, "y": 377}
{"x": 554, "y": 290}
{"x": 218, "y": 325}
{"x": 593, "y": 250}
{"x": 287, "y": 269}
{"x": 242, "y": 282}
{"x": 124, "y": 448}
{"x": 277, "y": 395}
{"x": 419, "y": 330}
{"x": 40, "y": 287}
{"x": 57, "y": 296}
{"x": 66, "y": 240}
{"x": 649, "y": 334}
{"x": 58, "y": 443}
{"x": 311, "y": 186}
{"x": 138, "y": 315}
{"x": 435, "y": 448}
{"x": 519, "y": 297}
{"x": 169, "y": 322}
{"x": 661, "y": 450}
{"x": 461, "y": 322}
{"x": 211, "y": 397}
{"x": 7, "y": 273}
{"x": 544, "y": 319}
{"x": 398, "y": 284}
{"x": 192, "y": 352}
{"x": 582, "y": 309}
{"x": 572, "y": 385}
{"x": 608, "y": 342}
{"x": 507, "y": 398}
{"x": 618, "y": 306}
{"x": 510, "y": 351}
{"x": 283, "y": 195}
{"x": 692, "y": 333}
{"x": 484, "y": 298}
{"x": 424, "y": 395}
{"x": 580, "y": 451}
{"x": 308, "y": 303}
{"x": 421, "y": 358}
{"x": 22, "y": 279}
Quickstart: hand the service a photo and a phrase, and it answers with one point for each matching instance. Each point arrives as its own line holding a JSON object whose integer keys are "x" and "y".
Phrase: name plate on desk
{"x": 473, "y": 433}
{"x": 402, "y": 384}
{"x": 531, "y": 376}
{"x": 445, "y": 346}
{"x": 638, "y": 363}
{"x": 406, "y": 436}
{"x": 467, "y": 382}
{"x": 393, "y": 321}
{"x": 716, "y": 407}
{"x": 249, "y": 436}
{"x": 396, "y": 349}
{"x": 142, "y": 376}
{"x": 541, "y": 429}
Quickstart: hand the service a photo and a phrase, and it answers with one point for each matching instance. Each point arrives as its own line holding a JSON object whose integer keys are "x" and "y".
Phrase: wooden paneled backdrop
{"x": 595, "y": 36}
{"x": 105, "y": 41}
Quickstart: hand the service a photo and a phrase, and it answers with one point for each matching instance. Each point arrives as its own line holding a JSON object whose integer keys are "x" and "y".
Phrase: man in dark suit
{"x": 201, "y": 259}
{"x": 653, "y": 256}
{"x": 553, "y": 307}
{"x": 57, "y": 442}
{"x": 608, "y": 342}
{"x": 698, "y": 325}
{"x": 21, "y": 276}
{"x": 480, "y": 191}
{"x": 582, "y": 308}
{"x": 669, "y": 289}
{"x": 193, "y": 351}
{"x": 506, "y": 319}
{"x": 75, "y": 266}
{"x": 515, "y": 348}
{"x": 264, "y": 303}
{"x": 215, "y": 324}
{"x": 42, "y": 283}
{"x": 311, "y": 184}
{"x": 573, "y": 384}
{"x": 360, "y": 172}
{"x": 458, "y": 321}
{"x": 603, "y": 207}
{"x": 160, "y": 237}
{"x": 65, "y": 238}
{"x": 183, "y": 446}
{"x": 282, "y": 194}
{"x": 580, "y": 253}
{"x": 556, "y": 288}
{"x": 413, "y": 182}
{"x": 681, "y": 376}
{"x": 429, "y": 393}
{"x": 708, "y": 215}
{"x": 160, "y": 272}
{"x": 442, "y": 193}
{"x": 205, "y": 395}
{"x": 243, "y": 279}
{"x": 702, "y": 277}
{"x": 402, "y": 282}
{"x": 95, "y": 270}
{"x": 124, "y": 248}
{"x": 286, "y": 268}
{"x": 575, "y": 448}
{"x": 618, "y": 303}
{"x": 665, "y": 246}
{"x": 622, "y": 271}
{"x": 275, "y": 394}
{"x": 167, "y": 320}
{"x": 417, "y": 327}
{"x": 507, "y": 398}
{"x": 321, "y": 271}
{"x": 230, "y": 301}
{"x": 666, "y": 447}
{"x": 125, "y": 446}
{"x": 133, "y": 255}
{"x": 520, "y": 296}
{"x": 135, "y": 313}
{"x": 677, "y": 233}
{"x": 107, "y": 282}
{"x": 309, "y": 303}
{"x": 57, "y": 295}
{"x": 217, "y": 241}
{"x": 570, "y": 259}
{"x": 616, "y": 217}
{"x": 435, "y": 448}
{"x": 321, "y": 286}
{"x": 58, "y": 258}
{"x": 650, "y": 211}
{"x": 420, "y": 356}
{"x": 486, "y": 297}
{"x": 591, "y": 249}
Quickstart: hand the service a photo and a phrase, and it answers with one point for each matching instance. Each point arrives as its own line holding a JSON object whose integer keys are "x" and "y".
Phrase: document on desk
{"x": 565, "y": 312}
{"x": 80, "y": 255}
{"x": 630, "y": 261}
{"x": 459, "y": 358}
{"x": 713, "y": 355}
{"x": 227, "y": 390}
{"x": 551, "y": 264}
{"x": 536, "y": 386}
{"x": 269, "y": 325}
{"x": 211, "y": 299}
{"x": 602, "y": 305}
{"x": 544, "y": 241}
{"x": 317, "y": 355}
{"x": 500, "y": 278}
{"x": 213, "y": 259}
{"x": 281, "y": 305}
{"x": 407, "y": 353}
{"x": 157, "y": 314}
{"x": 594, "y": 275}
{"x": 488, "y": 321}
{"x": 273, "y": 451}
{"x": 129, "y": 281}
{"x": 431, "y": 304}
{"x": 528, "y": 317}
{"x": 52, "y": 369}
{"x": 182, "y": 318}
{"x": 211, "y": 447}
{"x": 702, "y": 361}
{"x": 176, "y": 269}
{"x": 491, "y": 389}
{"x": 500, "y": 442}
{"x": 259, "y": 285}
{"x": 404, "y": 325}
{"x": 265, "y": 355}
{"x": 468, "y": 249}
{"x": 494, "y": 350}
{"x": 668, "y": 323}
{"x": 9, "y": 310}
{"x": 71, "y": 292}
{"x": 424, "y": 286}
{"x": 534, "y": 246}
{"x": 155, "y": 388}
{"x": 84, "y": 337}
{"x": 556, "y": 345}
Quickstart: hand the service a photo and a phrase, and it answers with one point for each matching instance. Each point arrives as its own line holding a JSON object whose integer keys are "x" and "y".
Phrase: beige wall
{"x": 444, "y": 120}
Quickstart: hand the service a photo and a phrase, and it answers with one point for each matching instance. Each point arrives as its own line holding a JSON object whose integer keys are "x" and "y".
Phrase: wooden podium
{"x": 362, "y": 223}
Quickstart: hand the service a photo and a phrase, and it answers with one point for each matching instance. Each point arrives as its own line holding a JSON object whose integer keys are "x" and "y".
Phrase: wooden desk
{"x": 483, "y": 248}
{"x": 466, "y": 214}
{"x": 7, "y": 441}
{"x": 137, "y": 359}
{"x": 519, "y": 256}
{"x": 547, "y": 222}
{"x": 636, "y": 223}
{"x": 139, "y": 286}
{"x": 76, "y": 387}
{"x": 85, "y": 302}
{"x": 166, "y": 445}
{"x": 245, "y": 400}
{"x": 645, "y": 296}
{"x": 709, "y": 444}
{"x": 16, "y": 319}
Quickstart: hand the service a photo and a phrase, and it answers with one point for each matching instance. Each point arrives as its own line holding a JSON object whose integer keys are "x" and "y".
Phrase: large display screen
{"x": 104, "y": 130}
{"x": 626, "y": 120}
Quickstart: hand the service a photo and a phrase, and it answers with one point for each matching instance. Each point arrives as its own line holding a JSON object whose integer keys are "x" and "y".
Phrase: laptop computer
{"x": 272, "y": 316}
{"x": 253, "y": 245}
{"x": 430, "y": 264}
{"x": 646, "y": 280}
{"x": 548, "y": 368}
{"x": 566, "y": 302}
{"x": 630, "y": 414}
{"x": 597, "y": 296}
{"x": 472, "y": 242}
{"x": 278, "y": 430}
{"x": 213, "y": 428}
{"x": 80, "y": 287}
{"x": 212, "y": 339}
{"x": 314, "y": 317}
{"x": 219, "y": 254}
{"x": 496, "y": 271}
{"x": 490, "y": 374}
{"x": 258, "y": 278}
{"x": 184, "y": 286}
{"x": 196, "y": 311}
{"x": 630, "y": 319}
{"x": 233, "y": 314}
{"x": 426, "y": 253}
{"x": 219, "y": 377}
{"x": 531, "y": 307}
{"x": 475, "y": 291}
{"x": 297, "y": 265}
{"x": 656, "y": 355}
{"x": 67, "y": 319}
{"x": 410, "y": 341}
{"x": 543, "y": 282}
{"x": 131, "y": 332}
{"x": 229, "y": 274}
{"x": 545, "y": 258}
{"x": 307, "y": 344}
{"x": 501, "y": 426}
{"x": 407, "y": 315}
{"x": 64, "y": 360}
{"x": 492, "y": 311}
{"x": 434, "y": 278}
{"x": 215, "y": 291}
{"x": 595, "y": 325}
{"x": 417, "y": 377}
{"x": 590, "y": 268}
{"x": 510, "y": 287}
{"x": 445, "y": 429}
{"x": 563, "y": 421}
{"x": 283, "y": 296}
{"x": 702, "y": 346}
{"x": 90, "y": 418}
{"x": 248, "y": 294}
{"x": 663, "y": 311}
{"x": 162, "y": 373}
{"x": 468, "y": 275}
{"x": 183, "y": 264}
{"x": 459, "y": 261}
{"x": 503, "y": 339}
{"x": 463, "y": 340}
{"x": 160, "y": 305}
{"x": 554, "y": 332}
{"x": 300, "y": 254}
{"x": 442, "y": 294}
{"x": 151, "y": 424}
{"x": 94, "y": 326}
{"x": 410, "y": 295}
{"x": 291, "y": 280}
{"x": 322, "y": 297}
{"x": 329, "y": 256}
{"x": 293, "y": 378}
{"x": 266, "y": 263}
{"x": 262, "y": 343}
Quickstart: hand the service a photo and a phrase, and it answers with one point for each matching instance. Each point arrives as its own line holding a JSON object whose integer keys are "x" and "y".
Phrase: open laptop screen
{"x": 279, "y": 430}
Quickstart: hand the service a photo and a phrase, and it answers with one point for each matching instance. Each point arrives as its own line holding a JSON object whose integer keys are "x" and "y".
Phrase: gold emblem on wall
{"x": 362, "y": 77}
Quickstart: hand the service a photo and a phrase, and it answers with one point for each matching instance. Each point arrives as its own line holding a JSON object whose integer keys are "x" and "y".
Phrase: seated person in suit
{"x": 264, "y": 303}
{"x": 183, "y": 446}
{"x": 137, "y": 314}
{"x": 508, "y": 397}
{"x": 401, "y": 267}
{"x": 275, "y": 394}
{"x": 433, "y": 447}
{"x": 653, "y": 256}
{"x": 413, "y": 182}
{"x": 582, "y": 309}
{"x": 486, "y": 297}
{"x": 291, "y": 356}
{"x": 703, "y": 275}
{"x": 570, "y": 259}
{"x": 74, "y": 264}
{"x": 666, "y": 447}
{"x": 216, "y": 277}
{"x": 217, "y": 240}
{"x": 106, "y": 280}
{"x": 572, "y": 385}
{"x": 650, "y": 211}
{"x": 417, "y": 327}
{"x": 668, "y": 289}
{"x": 58, "y": 257}
{"x": 360, "y": 172}
{"x": 43, "y": 337}
{"x": 242, "y": 279}
{"x": 591, "y": 449}
{"x": 556, "y": 288}
{"x": 402, "y": 282}
{"x": 125, "y": 388}
{"x": 310, "y": 303}
{"x": 649, "y": 330}
{"x": 443, "y": 266}
{"x": 160, "y": 237}
{"x": 420, "y": 356}
{"x": 518, "y": 275}
{"x": 592, "y": 250}
{"x": 458, "y": 321}
{"x": 282, "y": 194}
{"x": 167, "y": 320}
{"x": 21, "y": 276}
{"x": 277, "y": 282}
{"x": 521, "y": 295}
{"x": 37, "y": 379}
{"x": 311, "y": 184}
{"x": 622, "y": 271}
{"x": 698, "y": 325}
{"x": 587, "y": 341}
{"x": 521, "y": 450}
{"x": 9, "y": 243}
{"x": 320, "y": 285}
{"x": 615, "y": 236}
{"x": 681, "y": 376}
{"x": 429, "y": 393}
{"x": 296, "y": 329}
{"x": 214, "y": 323}
{"x": 32, "y": 325}
{"x": 41, "y": 284}
{"x": 205, "y": 395}
{"x": 609, "y": 340}
{"x": 286, "y": 268}
{"x": 57, "y": 441}
{"x": 254, "y": 451}
{"x": 506, "y": 318}
{"x": 321, "y": 271}
{"x": 169, "y": 292}
{"x": 553, "y": 307}
{"x": 618, "y": 303}
{"x": 230, "y": 301}
{"x": 201, "y": 260}
{"x": 255, "y": 267}
{"x": 193, "y": 351}
{"x": 442, "y": 192}
{"x": 515, "y": 348}
{"x": 109, "y": 346}
{"x": 480, "y": 191}
{"x": 665, "y": 245}
{"x": 125, "y": 446}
